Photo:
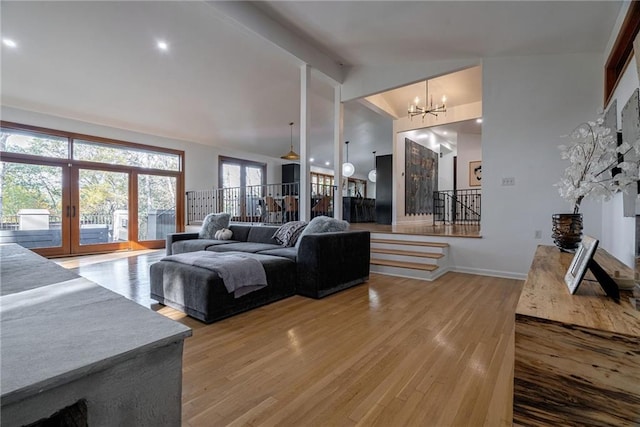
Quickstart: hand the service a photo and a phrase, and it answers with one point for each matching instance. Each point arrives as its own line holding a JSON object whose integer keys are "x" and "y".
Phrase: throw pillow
{"x": 212, "y": 223}
{"x": 224, "y": 234}
{"x": 287, "y": 235}
{"x": 323, "y": 224}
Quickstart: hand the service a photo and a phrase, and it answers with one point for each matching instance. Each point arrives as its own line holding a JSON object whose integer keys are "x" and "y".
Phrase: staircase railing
{"x": 457, "y": 207}
{"x": 268, "y": 204}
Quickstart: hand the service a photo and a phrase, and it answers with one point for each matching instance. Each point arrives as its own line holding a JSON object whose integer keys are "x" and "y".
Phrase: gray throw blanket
{"x": 240, "y": 273}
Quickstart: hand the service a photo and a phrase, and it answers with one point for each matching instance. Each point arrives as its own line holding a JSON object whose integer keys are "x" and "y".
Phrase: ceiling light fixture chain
{"x": 373, "y": 172}
{"x": 416, "y": 110}
{"x": 291, "y": 155}
{"x": 347, "y": 168}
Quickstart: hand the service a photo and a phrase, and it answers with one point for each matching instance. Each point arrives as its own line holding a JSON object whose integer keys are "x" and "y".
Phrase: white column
{"x": 304, "y": 202}
{"x": 338, "y": 127}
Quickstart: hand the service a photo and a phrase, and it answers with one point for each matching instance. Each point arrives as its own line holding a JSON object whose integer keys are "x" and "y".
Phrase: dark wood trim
{"x": 133, "y": 213}
{"x": 180, "y": 200}
{"x": 622, "y": 50}
{"x": 89, "y": 138}
{"x": 35, "y": 129}
{"x": 70, "y": 194}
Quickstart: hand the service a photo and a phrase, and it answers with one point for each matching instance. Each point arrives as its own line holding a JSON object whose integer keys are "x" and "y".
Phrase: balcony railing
{"x": 258, "y": 204}
{"x": 457, "y": 207}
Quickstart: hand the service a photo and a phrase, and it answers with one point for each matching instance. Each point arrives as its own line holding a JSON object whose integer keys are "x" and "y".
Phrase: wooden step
{"x": 410, "y": 243}
{"x": 407, "y": 253}
{"x": 403, "y": 264}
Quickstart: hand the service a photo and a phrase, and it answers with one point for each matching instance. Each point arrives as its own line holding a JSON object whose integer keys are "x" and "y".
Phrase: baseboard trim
{"x": 441, "y": 271}
{"x": 492, "y": 273}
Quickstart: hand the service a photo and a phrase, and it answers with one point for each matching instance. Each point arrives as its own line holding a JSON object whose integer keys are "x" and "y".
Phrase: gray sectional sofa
{"x": 322, "y": 264}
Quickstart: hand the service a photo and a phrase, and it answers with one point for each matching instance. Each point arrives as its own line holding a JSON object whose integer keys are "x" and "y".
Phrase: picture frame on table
{"x": 580, "y": 263}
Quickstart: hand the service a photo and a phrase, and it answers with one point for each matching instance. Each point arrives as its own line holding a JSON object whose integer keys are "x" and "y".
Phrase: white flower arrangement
{"x": 594, "y": 156}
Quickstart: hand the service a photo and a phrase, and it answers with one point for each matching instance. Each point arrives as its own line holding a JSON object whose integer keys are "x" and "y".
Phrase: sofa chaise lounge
{"x": 321, "y": 264}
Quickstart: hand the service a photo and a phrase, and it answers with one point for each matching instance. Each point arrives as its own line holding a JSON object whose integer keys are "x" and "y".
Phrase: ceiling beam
{"x": 246, "y": 15}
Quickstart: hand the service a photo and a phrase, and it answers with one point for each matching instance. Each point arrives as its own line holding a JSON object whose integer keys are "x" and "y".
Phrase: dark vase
{"x": 567, "y": 231}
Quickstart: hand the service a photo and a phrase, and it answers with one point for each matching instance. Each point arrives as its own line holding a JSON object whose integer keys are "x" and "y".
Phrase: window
{"x": 242, "y": 183}
{"x": 622, "y": 51}
{"x": 33, "y": 143}
{"x": 65, "y": 193}
{"x": 125, "y": 155}
{"x": 357, "y": 187}
{"x": 321, "y": 184}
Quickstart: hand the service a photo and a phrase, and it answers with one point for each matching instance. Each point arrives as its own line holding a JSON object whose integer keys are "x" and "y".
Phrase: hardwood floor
{"x": 126, "y": 273}
{"x": 389, "y": 352}
{"x": 423, "y": 229}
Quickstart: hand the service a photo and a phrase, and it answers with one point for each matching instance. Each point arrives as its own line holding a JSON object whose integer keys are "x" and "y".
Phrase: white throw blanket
{"x": 240, "y": 273}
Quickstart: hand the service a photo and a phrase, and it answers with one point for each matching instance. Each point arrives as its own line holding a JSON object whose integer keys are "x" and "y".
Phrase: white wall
{"x": 361, "y": 81}
{"x": 469, "y": 150}
{"x": 529, "y": 103}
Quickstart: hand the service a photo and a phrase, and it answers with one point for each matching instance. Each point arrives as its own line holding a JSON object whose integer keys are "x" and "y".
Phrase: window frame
{"x": 622, "y": 51}
{"x": 133, "y": 171}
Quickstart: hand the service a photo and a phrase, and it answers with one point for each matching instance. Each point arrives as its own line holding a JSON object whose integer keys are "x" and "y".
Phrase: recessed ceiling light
{"x": 327, "y": 163}
{"x": 162, "y": 45}
{"x": 444, "y": 133}
{"x": 9, "y": 42}
{"x": 478, "y": 120}
{"x": 311, "y": 160}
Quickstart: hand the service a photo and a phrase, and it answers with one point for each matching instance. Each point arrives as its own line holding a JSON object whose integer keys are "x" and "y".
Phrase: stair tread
{"x": 407, "y": 253}
{"x": 411, "y": 243}
{"x": 404, "y": 264}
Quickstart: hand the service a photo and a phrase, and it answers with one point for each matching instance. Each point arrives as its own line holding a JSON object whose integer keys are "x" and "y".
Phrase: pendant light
{"x": 372, "y": 172}
{"x": 291, "y": 155}
{"x": 347, "y": 168}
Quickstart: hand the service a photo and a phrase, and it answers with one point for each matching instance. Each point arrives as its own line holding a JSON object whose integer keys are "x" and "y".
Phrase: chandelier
{"x": 291, "y": 155}
{"x": 416, "y": 110}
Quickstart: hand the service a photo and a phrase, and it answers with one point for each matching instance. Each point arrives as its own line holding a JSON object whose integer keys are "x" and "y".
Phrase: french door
{"x": 36, "y": 207}
{"x": 99, "y": 210}
{"x": 62, "y": 196}
{"x": 242, "y": 183}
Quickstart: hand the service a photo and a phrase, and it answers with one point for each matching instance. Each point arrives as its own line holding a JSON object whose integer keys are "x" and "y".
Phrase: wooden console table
{"x": 577, "y": 357}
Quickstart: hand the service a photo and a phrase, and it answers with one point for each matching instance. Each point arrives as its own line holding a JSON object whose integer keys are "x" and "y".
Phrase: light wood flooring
{"x": 390, "y": 352}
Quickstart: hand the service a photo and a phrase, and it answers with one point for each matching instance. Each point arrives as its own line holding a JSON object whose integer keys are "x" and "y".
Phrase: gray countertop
{"x": 56, "y": 333}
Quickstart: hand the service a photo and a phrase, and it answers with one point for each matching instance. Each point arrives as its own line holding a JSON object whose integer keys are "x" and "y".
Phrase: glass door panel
{"x": 231, "y": 189}
{"x": 156, "y": 206}
{"x": 31, "y": 208}
{"x": 253, "y": 191}
{"x": 103, "y": 209}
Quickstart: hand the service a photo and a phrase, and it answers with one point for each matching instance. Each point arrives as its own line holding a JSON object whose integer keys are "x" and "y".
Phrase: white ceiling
{"x": 388, "y": 32}
{"x": 222, "y": 85}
